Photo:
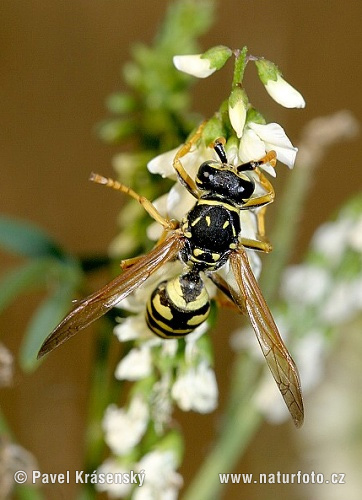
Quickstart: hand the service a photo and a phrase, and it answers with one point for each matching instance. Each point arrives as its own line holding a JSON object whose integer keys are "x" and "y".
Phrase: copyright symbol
{"x": 20, "y": 476}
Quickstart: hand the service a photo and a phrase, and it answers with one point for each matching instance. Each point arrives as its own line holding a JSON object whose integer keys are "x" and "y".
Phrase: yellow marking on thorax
{"x": 226, "y": 223}
{"x": 195, "y": 221}
{"x": 197, "y": 252}
{"x": 220, "y": 203}
{"x": 208, "y": 220}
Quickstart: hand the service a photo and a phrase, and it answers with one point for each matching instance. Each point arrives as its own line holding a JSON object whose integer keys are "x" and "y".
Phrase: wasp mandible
{"x": 209, "y": 236}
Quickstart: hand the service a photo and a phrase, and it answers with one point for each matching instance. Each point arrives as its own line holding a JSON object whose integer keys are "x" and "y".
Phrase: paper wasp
{"x": 206, "y": 239}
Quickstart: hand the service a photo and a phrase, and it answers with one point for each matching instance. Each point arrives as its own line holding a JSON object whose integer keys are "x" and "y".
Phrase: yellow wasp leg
{"x": 268, "y": 197}
{"x": 262, "y": 243}
{"x": 183, "y": 176}
{"x": 262, "y": 246}
{"x": 168, "y": 224}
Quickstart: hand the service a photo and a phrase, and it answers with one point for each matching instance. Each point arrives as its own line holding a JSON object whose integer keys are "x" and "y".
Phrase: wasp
{"x": 207, "y": 238}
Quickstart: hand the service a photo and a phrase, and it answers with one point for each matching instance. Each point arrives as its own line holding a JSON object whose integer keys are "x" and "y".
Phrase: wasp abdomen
{"x": 178, "y": 306}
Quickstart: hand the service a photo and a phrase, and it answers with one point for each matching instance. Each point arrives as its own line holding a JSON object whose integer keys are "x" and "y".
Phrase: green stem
{"x": 233, "y": 441}
{"x": 241, "y": 422}
{"x": 239, "y": 68}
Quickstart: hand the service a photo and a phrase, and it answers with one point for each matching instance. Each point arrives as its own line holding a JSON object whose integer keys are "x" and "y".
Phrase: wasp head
{"x": 225, "y": 180}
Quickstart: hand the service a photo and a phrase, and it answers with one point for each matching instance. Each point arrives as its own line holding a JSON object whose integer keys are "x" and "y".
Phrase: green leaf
{"x": 50, "y": 312}
{"x": 26, "y": 239}
{"x": 32, "y": 275}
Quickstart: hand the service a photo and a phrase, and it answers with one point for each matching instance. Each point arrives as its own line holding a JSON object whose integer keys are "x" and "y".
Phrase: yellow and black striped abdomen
{"x": 178, "y": 306}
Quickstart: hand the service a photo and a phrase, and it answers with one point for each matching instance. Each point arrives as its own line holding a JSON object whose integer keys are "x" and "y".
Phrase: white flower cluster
{"x": 204, "y": 65}
{"x": 161, "y": 480}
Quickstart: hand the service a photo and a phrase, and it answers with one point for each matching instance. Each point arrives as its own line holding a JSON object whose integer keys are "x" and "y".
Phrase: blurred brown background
{"x": 59, "y": 60}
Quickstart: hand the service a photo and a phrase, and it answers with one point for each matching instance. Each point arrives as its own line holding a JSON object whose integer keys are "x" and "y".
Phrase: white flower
{"x": 355, "y": 236}
{"x": 274, "y": 138}
{"x": 192, "y": 350}
{"x": 135, "y": 328}
{"x": 124, "y": 428}
{"x": 194, "y": 65}
{"x": 251, "y": 146}
{"x": 161, "y": 403}
{"x": 113, "y": 489}
{"x": 136, "y": 365}
{"x": 162, "y": 482}
{"x": 331, "y": 239}
{"x": 341, "y": 304}
{"x": 310, "y": 355}
{"x": 283, "y": 93}
{"x": 305, "y": 284}
{"x": 162, "y": 164}
{"x": 280, "y": 90}
{"x": 196, "y": 389}
{"x": 203, "y": 65}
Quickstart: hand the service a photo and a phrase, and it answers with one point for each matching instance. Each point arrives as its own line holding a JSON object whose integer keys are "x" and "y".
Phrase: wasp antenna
{"x": 99, "y": 179}
{"x": 220, "y": 150}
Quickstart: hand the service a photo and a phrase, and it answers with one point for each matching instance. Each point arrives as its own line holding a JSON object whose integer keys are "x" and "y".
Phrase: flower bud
{"x": 238, "y": 102}
{"x": 203, "y": 65}
{"x": 280, "y": 90}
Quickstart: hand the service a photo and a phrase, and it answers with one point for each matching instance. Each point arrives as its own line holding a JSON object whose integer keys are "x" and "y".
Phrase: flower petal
{"x": 124, "y": 428}
{"x": 135, "y": 366}
{"x": 194, "y": 65}
{"x": 163, "y": 164}
{"x": 251, "y": 147}
{"x": 284, "y": 155}
{"x": 283, "y": 93}
{"x": 196, "y": 389}
{"x": 276, "y": 139}
{"x": 237, "y": 110}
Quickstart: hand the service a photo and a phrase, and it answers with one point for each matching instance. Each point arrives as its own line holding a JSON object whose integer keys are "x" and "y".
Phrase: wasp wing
{"x": 97, "y": 304}
{"x": 276, "y": 354}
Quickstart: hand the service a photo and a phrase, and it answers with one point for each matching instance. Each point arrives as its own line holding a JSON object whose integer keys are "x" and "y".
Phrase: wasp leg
{"x": 261, "y": 242}
{"x": 183, "y": 176}
{"x": 268, "y": 197}
{"x": 168, "y": 224}
{"x": 261, "y": 246}
{"x": 270, "y": 158}
{"x": 264, "y": 199}
{"x": 260, "y": 221}
{"x": 127, "y": 263}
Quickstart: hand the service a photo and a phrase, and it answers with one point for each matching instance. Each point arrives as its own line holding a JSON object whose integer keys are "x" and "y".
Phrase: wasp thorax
{"x": 222, "y": 180}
